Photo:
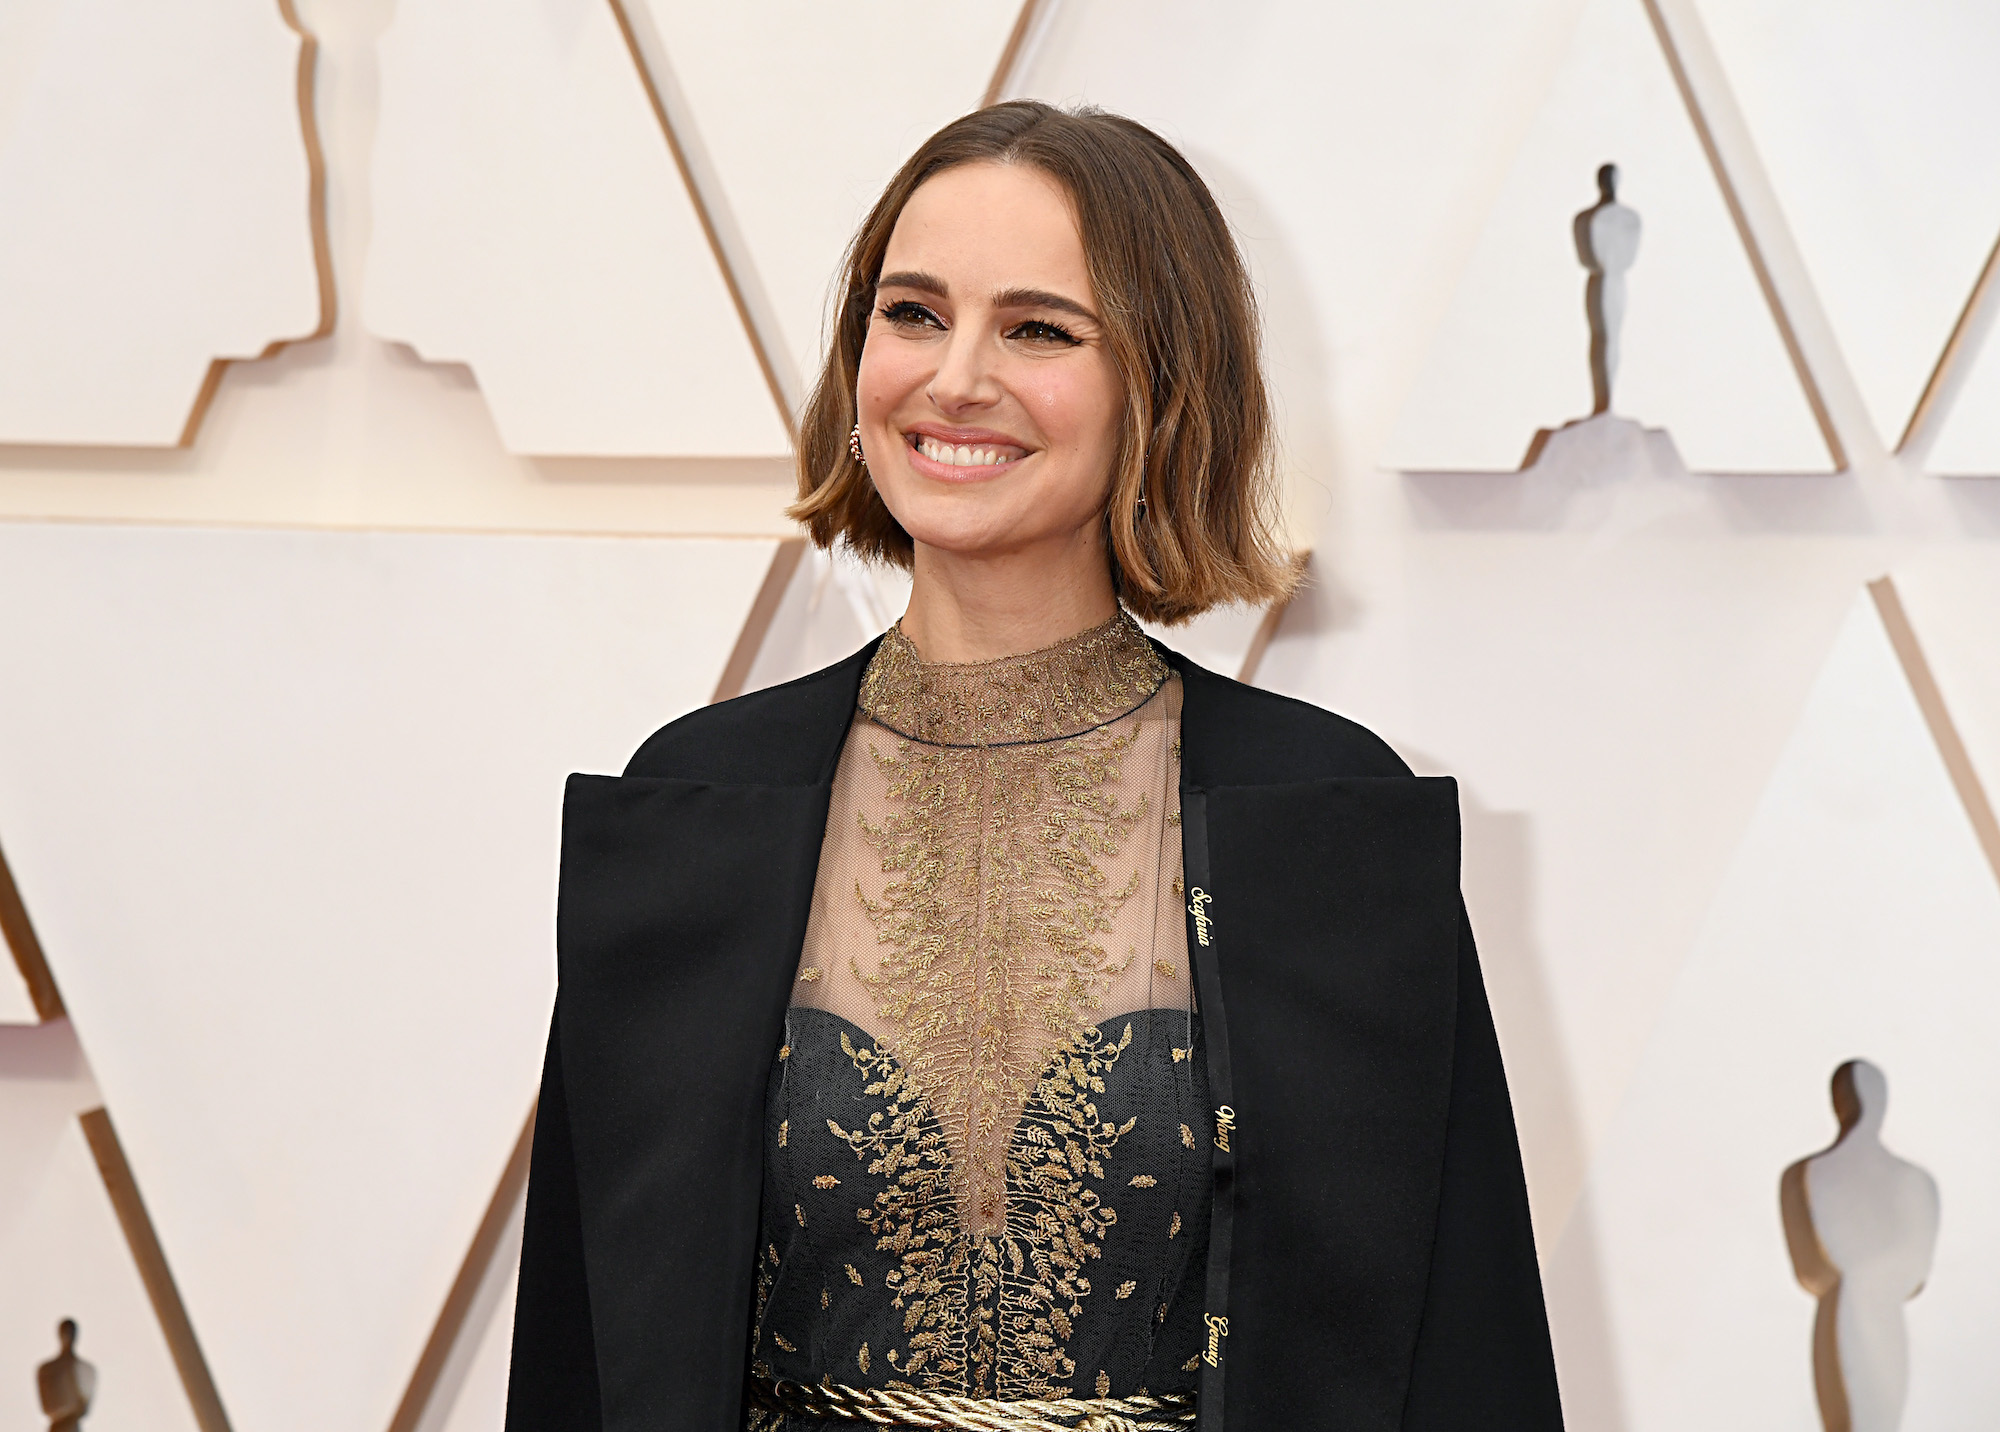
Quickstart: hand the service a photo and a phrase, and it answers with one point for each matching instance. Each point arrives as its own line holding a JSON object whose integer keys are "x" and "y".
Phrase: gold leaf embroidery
{"x": 1103, "y": 1383}
{"x": 826, "y": 1180}
{"x": 1167, "y": 969}
{"x": 1063, "y": 690}
{"x": 1192, "y": 1363}
{"x": 853, "y": 1276}
{"x": 782, "y": 1341}
{"x": 988, "y": 1147}
{"x": 1174, "y": 1228}
{"x": 1187, "y": 1136}
{"x": 1161, "y": 1315}
{"x": 785, "y": 1050}
{"x": 784, "y": 1131}
{"x": 825, "y": 1299}
{"x": 800, "y": 1211}
{"x": 986, "y": 978}
{"x": 989, "y": 1316}
{"x": 1180, "y": 1054}
{"x": 862, "y": 1357}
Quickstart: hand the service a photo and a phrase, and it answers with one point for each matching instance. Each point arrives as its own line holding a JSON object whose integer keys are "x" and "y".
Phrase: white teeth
{"x": 960, "y": 455}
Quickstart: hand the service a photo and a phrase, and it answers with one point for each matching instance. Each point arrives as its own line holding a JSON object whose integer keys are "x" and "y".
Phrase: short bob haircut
{"x": 1181, "y": 327}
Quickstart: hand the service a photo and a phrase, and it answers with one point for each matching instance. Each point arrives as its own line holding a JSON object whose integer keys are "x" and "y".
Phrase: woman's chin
{"x": 975, "y": 541}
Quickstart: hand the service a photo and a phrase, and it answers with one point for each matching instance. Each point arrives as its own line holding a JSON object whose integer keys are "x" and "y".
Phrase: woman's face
{"x": 989, "y": 406}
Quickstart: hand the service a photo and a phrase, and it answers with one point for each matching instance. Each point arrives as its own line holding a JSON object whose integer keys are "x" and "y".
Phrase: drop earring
{"x": 1139, "y": 510}
{"x": 854, "y": 445}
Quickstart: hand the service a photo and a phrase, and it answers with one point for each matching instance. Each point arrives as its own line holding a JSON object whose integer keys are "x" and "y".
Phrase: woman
{"x": 1016, "y": 1026}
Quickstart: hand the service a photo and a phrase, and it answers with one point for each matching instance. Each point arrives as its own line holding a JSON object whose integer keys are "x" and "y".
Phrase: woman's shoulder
{"x": 781, "y": 735}
{"x": 1239, "y": 735}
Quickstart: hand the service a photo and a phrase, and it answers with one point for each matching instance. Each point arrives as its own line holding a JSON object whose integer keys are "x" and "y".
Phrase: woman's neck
{"x": 976, "y": 608}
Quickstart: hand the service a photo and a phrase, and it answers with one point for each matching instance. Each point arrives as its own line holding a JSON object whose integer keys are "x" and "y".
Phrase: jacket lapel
{"x": 1330, "y": 970}
{"x": 683, "y": 909}
{"x": 1329, "y": 909}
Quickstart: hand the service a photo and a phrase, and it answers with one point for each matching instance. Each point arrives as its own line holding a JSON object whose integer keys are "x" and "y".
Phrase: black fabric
{"x": 827, "y": 1283}
{"x": 552, "y": 1385}
{"x": 1383, "y": 1271}
{"x": 1335, "y": 908}
{"x": 1483, "y": 1356}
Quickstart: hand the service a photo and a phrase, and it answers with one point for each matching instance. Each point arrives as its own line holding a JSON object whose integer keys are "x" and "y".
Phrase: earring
{"x": 1139, "y": 510}
{"x": 854, "y": 445}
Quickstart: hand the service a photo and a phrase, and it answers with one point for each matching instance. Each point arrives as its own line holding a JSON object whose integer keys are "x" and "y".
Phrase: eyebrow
{"x": 1010, "y": 298}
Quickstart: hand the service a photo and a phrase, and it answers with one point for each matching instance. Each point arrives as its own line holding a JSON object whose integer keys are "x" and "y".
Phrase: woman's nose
{"x": 965, "y": 376}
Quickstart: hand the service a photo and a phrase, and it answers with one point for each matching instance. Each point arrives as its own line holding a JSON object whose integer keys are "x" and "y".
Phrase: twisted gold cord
{"x": 943, "y": 1412}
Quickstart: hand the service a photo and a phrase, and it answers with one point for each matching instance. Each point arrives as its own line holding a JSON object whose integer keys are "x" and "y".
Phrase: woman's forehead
{"x": 985, "y": 229}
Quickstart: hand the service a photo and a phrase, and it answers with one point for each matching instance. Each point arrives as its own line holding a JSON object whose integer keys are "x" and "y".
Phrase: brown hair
{"x": 1181, "y": 326}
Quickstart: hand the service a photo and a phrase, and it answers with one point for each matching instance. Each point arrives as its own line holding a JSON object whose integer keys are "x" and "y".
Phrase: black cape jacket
{"x": 1371, "y": 1262}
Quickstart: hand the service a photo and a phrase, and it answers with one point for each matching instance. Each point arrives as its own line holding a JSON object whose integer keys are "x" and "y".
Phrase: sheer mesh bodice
{"x": 981, "y": 1171}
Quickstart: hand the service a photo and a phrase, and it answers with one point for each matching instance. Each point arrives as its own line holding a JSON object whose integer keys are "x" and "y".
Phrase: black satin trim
{"x": 1222, "y": 1160}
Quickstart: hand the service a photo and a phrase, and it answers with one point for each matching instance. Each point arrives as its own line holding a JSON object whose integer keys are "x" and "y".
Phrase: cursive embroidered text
{"x": 1198, "y": 902}
{"x": 1218, "y": 1329}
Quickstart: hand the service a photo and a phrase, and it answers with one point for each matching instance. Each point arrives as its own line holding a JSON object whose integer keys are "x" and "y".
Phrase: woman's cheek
{"x": 889, "y": 371}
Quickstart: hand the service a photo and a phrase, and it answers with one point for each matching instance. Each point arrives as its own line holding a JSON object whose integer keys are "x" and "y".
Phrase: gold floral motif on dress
{"x": 1003, "y": 815}
{"x": 1073, "y": 686}
{"x": 989, "y": 1315}
{"x": 994, "y": 921}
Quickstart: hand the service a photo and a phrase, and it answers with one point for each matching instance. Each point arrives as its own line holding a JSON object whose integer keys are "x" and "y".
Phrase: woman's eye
{"x": 906, "y": 314}
{"x": 1036, "y": 330}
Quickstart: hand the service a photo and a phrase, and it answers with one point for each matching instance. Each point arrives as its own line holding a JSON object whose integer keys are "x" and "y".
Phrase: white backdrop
{"x": 284, "y": 710}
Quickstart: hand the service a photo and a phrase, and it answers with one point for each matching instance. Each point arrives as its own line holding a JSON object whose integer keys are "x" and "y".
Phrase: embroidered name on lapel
{"x": 1218, "y": 1329}
{"x": 1198, "y": 902}
{"x": 1225, "y": 1120}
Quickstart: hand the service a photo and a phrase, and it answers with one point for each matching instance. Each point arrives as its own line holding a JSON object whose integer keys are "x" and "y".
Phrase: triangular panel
{"x": 1303, "y": 118}
{"x": 1702, "y": 355}
{"x": 529, "y": 220}
{"x": 1611, "y": 704}
{"x": 153, "y": 224}
{"x": 1968, "y": 443}
{"x": 286, "y": 808}
{"x": 862, "y": 87}
{"x": 832, "y": 605}
{"x": 1858, "y": 919}
{"x": 1873, "y": 118}
{"x": 62, "y": 1255}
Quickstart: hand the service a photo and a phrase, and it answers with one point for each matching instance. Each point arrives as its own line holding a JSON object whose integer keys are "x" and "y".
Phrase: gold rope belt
{"x": 942, "y": 1412}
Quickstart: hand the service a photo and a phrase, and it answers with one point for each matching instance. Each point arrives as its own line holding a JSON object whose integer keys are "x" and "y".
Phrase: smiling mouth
{"x": 965, "y": 455}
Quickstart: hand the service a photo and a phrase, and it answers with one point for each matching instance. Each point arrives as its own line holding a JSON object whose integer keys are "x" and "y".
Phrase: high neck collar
{"x": 1076, "y": 685}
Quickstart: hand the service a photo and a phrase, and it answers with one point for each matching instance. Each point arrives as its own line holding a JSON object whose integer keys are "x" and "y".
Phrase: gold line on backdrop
{"x": 1944, "y": 731}
{"x": 1010, "y": 54}
{"x": 1954, "y": 364}
{"x": 151, "y": 1259}
{"x": 1267, "y": 629}
{"x": 1767, "y": 237}
{"x": 472, "y": 1274}
{"x": 711, "y": 207}
{"x": 119, "y": 1182}
{"x": 453, "y": 1319}
{"x": 757, "y": 625}
{"x": 19, "y": 933}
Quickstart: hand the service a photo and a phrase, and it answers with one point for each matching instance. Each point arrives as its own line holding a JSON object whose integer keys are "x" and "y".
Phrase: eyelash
{"x": 905, "y": 313}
